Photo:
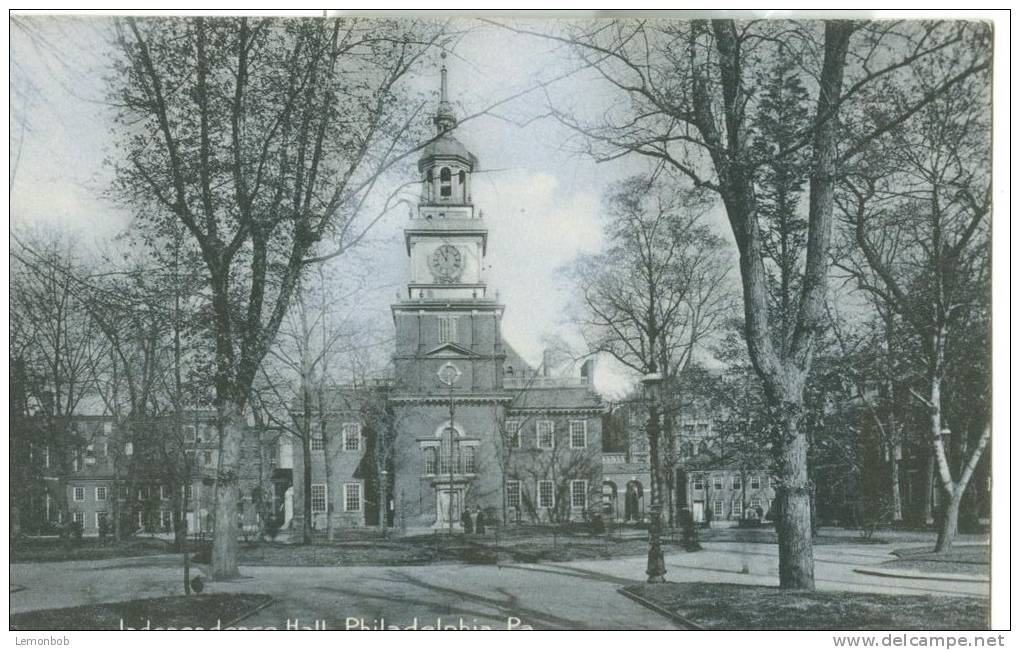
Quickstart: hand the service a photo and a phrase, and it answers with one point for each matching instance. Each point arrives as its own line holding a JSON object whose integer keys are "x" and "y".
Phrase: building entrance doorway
{"x": 444, "y": 508}
{"x": 698, "y": 511}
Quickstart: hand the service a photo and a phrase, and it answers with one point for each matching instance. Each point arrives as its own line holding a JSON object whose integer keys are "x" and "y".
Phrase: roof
{"x": 446, "y": 146}
{"x": 556, "y": 398}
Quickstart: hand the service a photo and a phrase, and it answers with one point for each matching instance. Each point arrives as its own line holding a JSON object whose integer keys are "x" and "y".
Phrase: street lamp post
{"x": 656, "y": 569}
{"x": 448, "y": 374}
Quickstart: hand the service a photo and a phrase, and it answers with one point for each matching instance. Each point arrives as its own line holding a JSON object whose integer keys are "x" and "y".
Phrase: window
{"x": 513, "y": 432}
{"x": 578, "y": 494}
{"x": 689, "y": 429}
{"x": 469, "y": 460}
{"x": 143, "y": 493}
{"x": 462, "y": 177}
{"x": 702, "y": 447}
{"x": 546, "y": 496}
{"x": 513, "y": 494}
{"x": 189, "y": 434}
{"x": 46, "y": 456}
{"x": 545, "y": 434}
{"x": 76, "y": 463}
{"x": 447, "y": 329}
{"x": 702, "y": 428}
{"x": 317, "y": 442}
{"x": 445, "y": 187}
{"x": 756, "y": 503}
{"x": 736, "y": 481}
{"x": 698, "y": 482}
{"x": 164, "y": 519}
{"x": 431, "y": 460}
{"x": 755, "y": 482}
{"x": 352, "y": 497}
{"x": 79, "y": 494}
{"x": 717, "y": 482}
{"x": 352, "y": 436}
{"x": 718, "y": 508}
{"x": 318, "y": 497}
{"x": 189, "y": 492}
{"x": 78, "y": 518}
{"x": 164, "y": 492}
{"x": 141, "y": 519}
{"x": 100, "y": 493}
{"x": 90, "y": 454}
{"x": 207, "y": 458}
{"x": 578, "y": 434}
{"x": 129, "y": 448}
{"x": 738, "y": 510}
{"x": 107, "y": 428}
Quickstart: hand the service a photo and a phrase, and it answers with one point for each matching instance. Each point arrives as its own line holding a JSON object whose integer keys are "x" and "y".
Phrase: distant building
{"x": 710, "y": 480}
{"x": 473, "y": 426}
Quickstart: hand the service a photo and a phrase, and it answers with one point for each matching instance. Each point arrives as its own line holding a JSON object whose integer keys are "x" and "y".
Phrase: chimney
{"x": 588, "y": 371}
{"x": 546, "y": 362}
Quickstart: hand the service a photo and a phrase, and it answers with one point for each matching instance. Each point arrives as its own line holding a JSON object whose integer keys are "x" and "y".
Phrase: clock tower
{"x": 446, "y": 310}
{"x": 447, "y": 396}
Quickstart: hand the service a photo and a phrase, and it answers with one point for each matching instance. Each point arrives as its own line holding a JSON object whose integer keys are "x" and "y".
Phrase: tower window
{"x": 445, "y": 186}
{"x": 447, "y": 329}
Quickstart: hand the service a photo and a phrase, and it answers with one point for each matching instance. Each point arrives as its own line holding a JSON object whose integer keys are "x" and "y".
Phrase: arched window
{"x": 462, "y": 180}
{"x": 445, "y": 187}
{"x": 431, "y": 460}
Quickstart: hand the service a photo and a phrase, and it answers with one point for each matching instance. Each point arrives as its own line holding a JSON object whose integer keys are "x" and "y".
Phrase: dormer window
{"x": 445, "y": 183}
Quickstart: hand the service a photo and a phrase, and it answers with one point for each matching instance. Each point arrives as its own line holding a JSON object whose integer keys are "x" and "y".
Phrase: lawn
{"x": 173, "y": 612}
{"x": 767, "y": 535}
{"x": 967, "y": 560}
{"x": 747, "y": 607}
{"x": 433, "y": 549}
{"x": 53, "y": 549}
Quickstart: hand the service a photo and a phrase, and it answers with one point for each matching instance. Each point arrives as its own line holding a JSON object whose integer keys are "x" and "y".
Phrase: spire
{"x": 442, "y": 84}
{"x": 444, "y": 119}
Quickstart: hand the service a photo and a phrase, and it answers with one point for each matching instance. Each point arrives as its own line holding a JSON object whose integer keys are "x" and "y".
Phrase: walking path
{"x": 573, "y": 595}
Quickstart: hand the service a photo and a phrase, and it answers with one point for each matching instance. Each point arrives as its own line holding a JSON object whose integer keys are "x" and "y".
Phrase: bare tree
{"x": 918, "y": 210}
{"x": 265, "y": 139}
{"x": 656, "y": 292}
{"x": 56, "y": 344}
{"x": 691, "y": 97}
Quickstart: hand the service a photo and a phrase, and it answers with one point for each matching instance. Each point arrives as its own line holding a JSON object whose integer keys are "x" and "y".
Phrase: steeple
{"x": 444, "y": 119}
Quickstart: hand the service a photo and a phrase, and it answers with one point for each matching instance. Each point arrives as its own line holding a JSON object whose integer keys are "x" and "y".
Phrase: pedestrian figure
{"x": 479, "y": 521}
{"x": 465, "y": 521}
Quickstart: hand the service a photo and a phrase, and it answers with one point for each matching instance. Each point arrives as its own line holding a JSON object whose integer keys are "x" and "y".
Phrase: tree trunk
{"x": 383, "y": 501}
{"x": 225, "y": 546}
{"x": 306, "y": 500}
{"x": 894, "y": 480}
{"x": 179, "y": 523}
{"x": 928, "y": 511}
{"x": 949, "y": 521}
{"x": 793, "y": 497}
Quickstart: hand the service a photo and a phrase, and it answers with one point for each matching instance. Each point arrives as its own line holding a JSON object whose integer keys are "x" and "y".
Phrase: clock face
{"x": 446, "y": 263}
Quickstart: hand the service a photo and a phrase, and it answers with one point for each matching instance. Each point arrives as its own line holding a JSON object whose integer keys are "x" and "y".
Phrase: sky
{"x": 541, "y": 199}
